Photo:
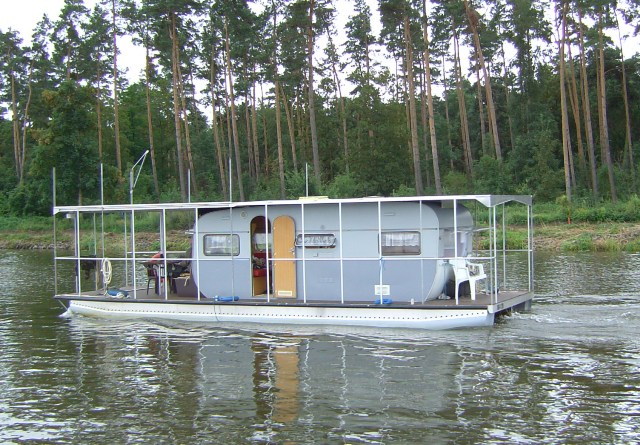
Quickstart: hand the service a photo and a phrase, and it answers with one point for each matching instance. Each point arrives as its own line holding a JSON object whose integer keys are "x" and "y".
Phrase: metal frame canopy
{"x": 486, "y": 200}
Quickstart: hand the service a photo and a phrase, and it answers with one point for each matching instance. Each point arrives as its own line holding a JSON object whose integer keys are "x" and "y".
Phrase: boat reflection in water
{"x": 257, "y": 386}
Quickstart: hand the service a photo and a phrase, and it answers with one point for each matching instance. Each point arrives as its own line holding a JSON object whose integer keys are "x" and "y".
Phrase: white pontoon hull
{"x": 274, "y": 314}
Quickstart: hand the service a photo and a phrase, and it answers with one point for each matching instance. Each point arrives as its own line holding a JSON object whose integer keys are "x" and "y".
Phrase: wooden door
{"x": 284, "y": 253}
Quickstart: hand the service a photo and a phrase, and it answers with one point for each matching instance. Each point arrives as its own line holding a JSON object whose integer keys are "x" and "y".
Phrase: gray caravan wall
{"x": 319, "y": 269}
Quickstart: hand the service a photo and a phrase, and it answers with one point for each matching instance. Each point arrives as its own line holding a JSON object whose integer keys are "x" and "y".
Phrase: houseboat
{"x": 428, "y": 262}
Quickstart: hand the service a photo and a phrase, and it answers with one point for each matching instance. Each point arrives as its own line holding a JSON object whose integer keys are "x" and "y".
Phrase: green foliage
{"x": 295, "y": 185}
{"x": 456, "y": 183}
{"x": 608, "y": 212}
{"x": 534, "y": 162}
{"x": 547, "y": 213}
{"x": 171, "y": 193}
{"x": 65, "y": 78}
{"x": 633, "y": 245}
{"x": 180, "y": 220}
{"x": 620, "y": 212}
{"x": 516, "y": 240}
{"x": 492, "y": 177}
{"x": 582, "y": 243}
{"x": 266, "y": 189}
{"x": 344, "y": 186}
{"x": 32, "y": 198}
{"x": 67, "y": 145}
{"x": 25, "y": 224}
{"x": 404, "y": 190}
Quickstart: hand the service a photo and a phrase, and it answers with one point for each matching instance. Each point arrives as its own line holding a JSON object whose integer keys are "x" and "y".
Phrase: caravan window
{"x": 260, "y": 241}
{"x": 221, "y": 245}
{"x": 400, "y": 243}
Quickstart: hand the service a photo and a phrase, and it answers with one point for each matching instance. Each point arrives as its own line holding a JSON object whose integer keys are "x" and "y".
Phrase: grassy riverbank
{"x": 592, "y": 228}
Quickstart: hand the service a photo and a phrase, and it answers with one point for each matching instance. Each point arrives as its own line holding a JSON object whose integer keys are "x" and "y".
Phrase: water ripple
{"x": 567, "y": 372}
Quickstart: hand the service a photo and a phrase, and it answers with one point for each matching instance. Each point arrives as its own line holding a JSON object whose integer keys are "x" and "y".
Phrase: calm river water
{"x": 568, "y": 372}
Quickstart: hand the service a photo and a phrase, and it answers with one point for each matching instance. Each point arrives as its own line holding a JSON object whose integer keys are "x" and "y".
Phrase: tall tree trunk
{"x": 431, "y": 115}
{"x": 472, "y": 16}
{"x": 586, "y": 110}
{"x": 25, "y": 120}
{"x": 627, "y": 116}
{"x": 507, "y": 95}
{"x": 446, "y": 106}
{"x": 602, "y": 107}
{"x": 187, "y": 131}
{"x": 279, "y": 137}
{"x": 291, "y": 128}
{"x": 340, "y": 100}
{"x": 424, "y": 123}
{"x": 265, "y": 139}
{"x": 278, "y": 111}
{"x": 227, "y": 117}
{"x": 249, "y": 136}
{"x": 176, "y": 106}
{"x": 464, "y": 123}
{"x": 575, "y": 107}
{"x": 216, "y": 131}
{"x": 15, "y": 120}
{"x": 566, "y": 138}
{"x": 312, "y": 107}
{"x": 234, "y": 124}
{"x": 116, "y": 106}
{"x": 404, "y": 78}
{"x": 413, "y": 119}
{"x": 152, "y": 147}
{"x": 483, "y": 128}
{"x": 370, "y": 132}
{"x": 254, "y": 131}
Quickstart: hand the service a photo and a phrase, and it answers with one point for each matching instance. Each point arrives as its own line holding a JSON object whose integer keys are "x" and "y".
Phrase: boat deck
{"x": 505, "y": 300}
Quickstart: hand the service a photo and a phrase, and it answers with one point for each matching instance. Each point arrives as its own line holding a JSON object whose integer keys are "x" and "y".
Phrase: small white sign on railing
{"x": 382, "y": 289}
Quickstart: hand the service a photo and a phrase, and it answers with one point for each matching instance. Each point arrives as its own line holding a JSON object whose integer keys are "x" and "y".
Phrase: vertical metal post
{"x": 268, "y": 260}
{"x": 504, "y": 244}
{"x": 455, "y": 246}
{"x": 380, "y": 260}
{"x": 95, "y": 249}
{"x": 341, "y": 252}
{"x": 233, "y": 266}
{"x": 304, "y": 255}
{"x": 102, "y": 210}
{"x": 494, "y": 247}
{"x": 126, "y": 255}
{"x": 163, "y": 249}
{"x": 530, "y": 245}
{"x": 195, "y": 252}
{"x": 76, "y": 249}
{"x": 455, "y": 229}
{"x": 230, "y": 182}
{"x": 422, "y": 250}
{"x": 55, "y": 242}
{"x": 133, "y": 251}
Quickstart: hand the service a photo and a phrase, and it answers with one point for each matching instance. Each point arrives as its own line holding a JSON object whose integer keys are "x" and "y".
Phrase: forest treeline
{"x": 246, "y": 98}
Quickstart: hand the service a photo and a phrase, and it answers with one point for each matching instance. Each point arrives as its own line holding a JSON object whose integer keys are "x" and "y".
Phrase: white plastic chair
{"x": 463, "y": 271}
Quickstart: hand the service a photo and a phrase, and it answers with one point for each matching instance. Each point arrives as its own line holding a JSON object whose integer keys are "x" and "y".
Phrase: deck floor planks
{"x": 483, "y": 300}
